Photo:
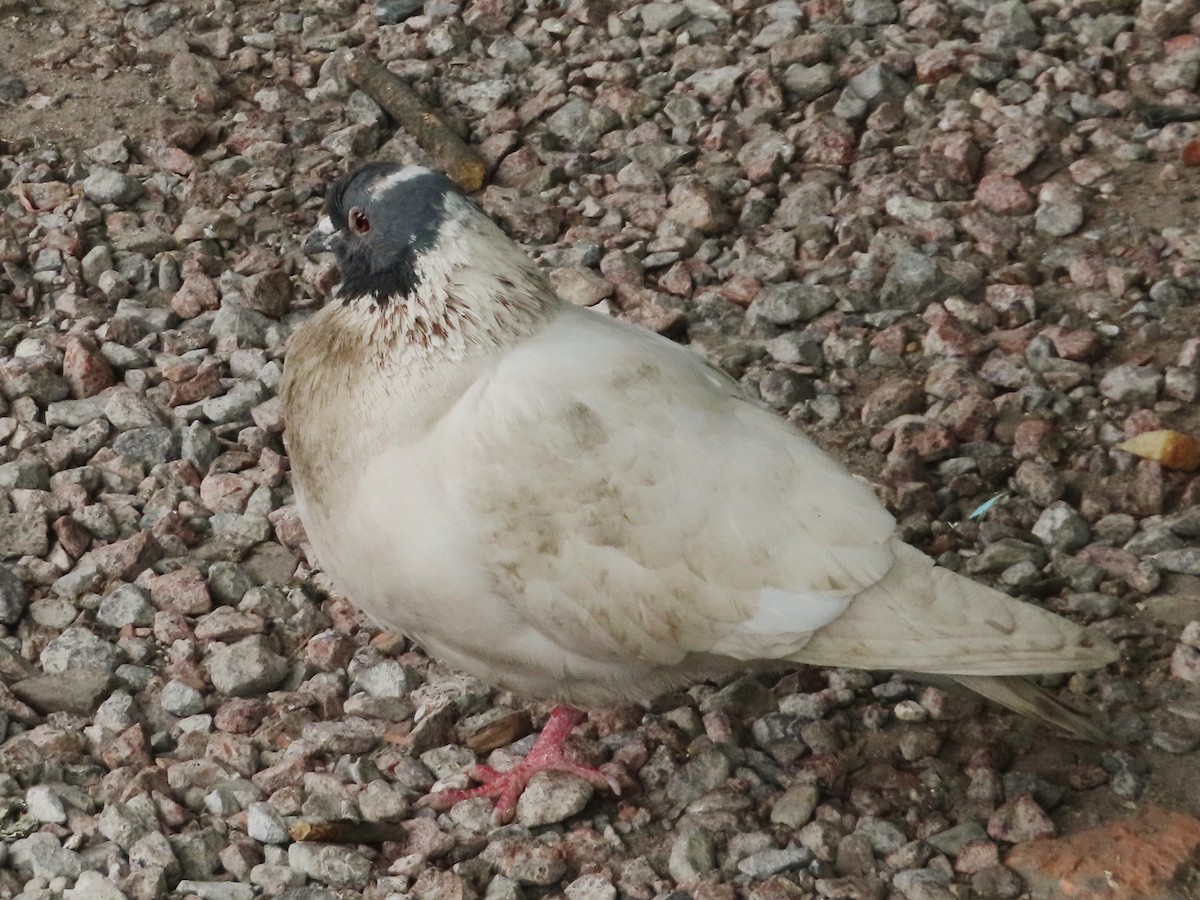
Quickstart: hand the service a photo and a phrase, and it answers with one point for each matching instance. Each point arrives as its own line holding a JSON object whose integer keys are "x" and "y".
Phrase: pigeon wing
{"x": 630, "y": 504}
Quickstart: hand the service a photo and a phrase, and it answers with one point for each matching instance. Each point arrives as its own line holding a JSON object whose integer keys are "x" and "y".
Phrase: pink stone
{"x": 126, "y": 559}
{"x": 830, "y": 142}
{"x": 330, "y": 651}
{"x": 289, "y": 530}
{"x": 226, "y": 492}
{"x": 920, "y": 437}
{"x": 205, "y": 383}
{"x": 970, "y": 417}
{"x": 86, "y": 371}
{"x": 183, "y": 591}
{"x": 1080, "y": 345}
{"x": 1020, "y": 819}
{"x": 227, "y": 624}
{"x": 938, "y": 62}
{"x": 1036, "y": 438}
{"x": 949, "y": 335}
{"x": 1013, "y": 303}
{"x": 1004, "y": 195}
{"x": 698, "y": 206}
{"x": 197, "y": 294}
{"x": 240, "y": 715}
{"x": 162, "y": 155}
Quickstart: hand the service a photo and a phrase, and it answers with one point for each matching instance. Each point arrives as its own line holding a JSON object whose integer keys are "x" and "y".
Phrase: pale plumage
{"x": 577, "y": 509}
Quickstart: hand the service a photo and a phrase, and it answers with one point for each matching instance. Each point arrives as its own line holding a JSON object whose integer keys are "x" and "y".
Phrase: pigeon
{"x": 578, "y": 510}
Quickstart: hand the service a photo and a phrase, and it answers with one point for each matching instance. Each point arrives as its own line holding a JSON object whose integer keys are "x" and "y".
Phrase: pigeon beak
{"x": 322, "y": 239}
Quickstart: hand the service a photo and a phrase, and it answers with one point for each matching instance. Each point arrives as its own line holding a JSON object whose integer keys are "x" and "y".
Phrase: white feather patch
{"x": 385, "y": 184}
{"x": 783, "y": 623}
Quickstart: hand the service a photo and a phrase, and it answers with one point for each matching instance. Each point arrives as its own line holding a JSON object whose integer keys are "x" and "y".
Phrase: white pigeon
{"x": 577, "y": 509}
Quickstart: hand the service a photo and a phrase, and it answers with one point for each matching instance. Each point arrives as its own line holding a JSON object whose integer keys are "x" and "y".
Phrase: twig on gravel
{"x": 1158, "y": 115}
{"x": 458, "y": 160}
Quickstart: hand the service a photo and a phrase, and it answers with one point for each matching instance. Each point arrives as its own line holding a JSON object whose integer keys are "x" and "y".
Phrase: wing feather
{"x": 642, "y": 507}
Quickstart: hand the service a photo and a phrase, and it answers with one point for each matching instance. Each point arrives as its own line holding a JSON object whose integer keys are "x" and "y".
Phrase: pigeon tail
{"x": 1023, "y": 696}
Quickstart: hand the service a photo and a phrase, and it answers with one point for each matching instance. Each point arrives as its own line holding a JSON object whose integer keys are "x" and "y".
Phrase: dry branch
{"x": 446, "y": 148}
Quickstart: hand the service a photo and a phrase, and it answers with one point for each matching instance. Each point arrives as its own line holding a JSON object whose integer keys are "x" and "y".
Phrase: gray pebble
{"x": 126, "y": 605}
{"x": 149, "y": 446}
{"x": 247, "y": 667}
{"x": 247, "y": 327}
{"x": 877, "y": 84}
{"x": 591, "y": 887}
{"x": 552, "y": 797}
{"x": 265, "y": 825}
{"x": 1060, "y": 527}
{"x": 112, "y": 187}
{"x": 216, "y": 890}
{"x": 181, "y": 699}
{"x": 45, "y": 805}
{"x": 1093, "y": 605}
{"x": 332, "y": 864}
{"x": 14, "y": 597}
{"x": 1135, "y": 385}
{"x": 77, "y": 648}
{"x": 127, "y": 823}
{"x": 199, "y": 446}
{"x": 691, "y": 856}
{"x": 23, "y": 534}
{"x": 787, "y": 304}
{"x": 29, "y": 474}
{"x": 74, "y": 413}
{"x": 796, "y": 806}
{"x": 236, "y": 404}
{"x": 198, "y": 852}
{"x": 91, "y": 885}
{"x": 810, "y": 82}
{"x": 1058, "y": 219}
{"x": 913, "y": 281}
{"x": 923, "y": 884}
{"x": 77, "y": 691}
{"x": 126, "y": 409}
{"x": 43, "y": 856}
{"x": 883, "y": 836}
{"x": 705, "y": 771}
{"x": 771, "y": 862}
{"x": 527, "y": 861}
{"x": 663, "y": 16}
{"x": 345, "y": 735}
{"x": 1185, "y": 561}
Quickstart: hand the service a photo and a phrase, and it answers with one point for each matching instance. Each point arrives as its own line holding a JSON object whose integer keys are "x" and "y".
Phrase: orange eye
{"x": 359, "y": 223}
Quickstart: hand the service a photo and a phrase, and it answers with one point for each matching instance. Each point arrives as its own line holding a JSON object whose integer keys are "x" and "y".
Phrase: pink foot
{"x": 507, "y": 787}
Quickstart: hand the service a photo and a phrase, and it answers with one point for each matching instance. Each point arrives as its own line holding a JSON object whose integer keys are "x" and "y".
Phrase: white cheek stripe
{"x": 383, "y": 185}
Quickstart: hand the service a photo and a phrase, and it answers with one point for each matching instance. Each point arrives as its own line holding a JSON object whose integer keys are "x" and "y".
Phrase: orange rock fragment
{"x": 1134, "y": 859}
{"x": 1173, "y": 449}
{"x": 1181, "y": 42}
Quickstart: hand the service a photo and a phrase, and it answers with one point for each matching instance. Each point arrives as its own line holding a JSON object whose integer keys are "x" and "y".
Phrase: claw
{"x": 507, "y": 787}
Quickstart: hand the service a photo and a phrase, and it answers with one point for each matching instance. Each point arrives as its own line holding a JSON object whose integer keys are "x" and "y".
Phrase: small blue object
{"x": 982, "y": 509}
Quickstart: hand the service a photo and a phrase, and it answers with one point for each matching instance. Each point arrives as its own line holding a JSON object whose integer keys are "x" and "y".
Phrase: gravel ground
{"x": 950, "y": 239}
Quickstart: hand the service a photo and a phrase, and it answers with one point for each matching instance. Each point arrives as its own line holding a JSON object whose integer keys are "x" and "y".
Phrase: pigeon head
{"x": 381, "y": 220}
{"x": 430, "y": 265}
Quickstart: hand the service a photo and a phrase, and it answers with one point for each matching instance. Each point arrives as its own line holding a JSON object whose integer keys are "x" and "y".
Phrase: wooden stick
{"x": 446, "y": 148}
{"x": 1156, "y": 116}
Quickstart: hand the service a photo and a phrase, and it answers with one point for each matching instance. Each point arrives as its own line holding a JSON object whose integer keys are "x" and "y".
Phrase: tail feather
{"x": 1023, "y": 696}
{"x": 924, "y": 619}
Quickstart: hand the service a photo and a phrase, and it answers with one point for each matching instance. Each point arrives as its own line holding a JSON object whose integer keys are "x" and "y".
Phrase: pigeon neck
{"x": 456, "y": 304}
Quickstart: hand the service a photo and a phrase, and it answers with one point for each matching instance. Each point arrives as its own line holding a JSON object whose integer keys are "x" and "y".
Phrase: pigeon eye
{"x": 359, "y": 223}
